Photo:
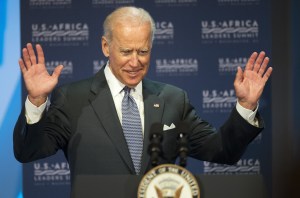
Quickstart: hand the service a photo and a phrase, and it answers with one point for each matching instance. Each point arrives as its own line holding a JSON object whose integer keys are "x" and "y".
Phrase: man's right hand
{"x": 39, "y": 83}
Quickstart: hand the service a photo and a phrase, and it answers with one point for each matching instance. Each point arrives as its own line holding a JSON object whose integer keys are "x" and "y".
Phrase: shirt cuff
{"x": 33, "y": 113}
{"x": 248, "y": 114}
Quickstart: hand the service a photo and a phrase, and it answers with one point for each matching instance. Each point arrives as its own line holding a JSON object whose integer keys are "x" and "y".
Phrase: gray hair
{"x": 125, "y": 14}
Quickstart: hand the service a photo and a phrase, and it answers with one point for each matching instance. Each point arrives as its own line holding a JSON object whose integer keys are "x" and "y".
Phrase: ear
{"x": 105, "y": 46}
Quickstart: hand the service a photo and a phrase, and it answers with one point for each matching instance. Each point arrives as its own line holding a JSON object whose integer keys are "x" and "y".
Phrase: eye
{"x": 143, "y": 52}
{"x": 126, "y": 52}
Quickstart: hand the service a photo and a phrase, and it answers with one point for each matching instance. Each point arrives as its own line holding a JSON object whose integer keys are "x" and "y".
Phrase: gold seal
{"x": 168, "y": 181}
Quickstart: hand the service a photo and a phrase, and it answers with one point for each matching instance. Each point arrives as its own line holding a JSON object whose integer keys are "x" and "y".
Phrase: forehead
{"x": 132, "y": 34}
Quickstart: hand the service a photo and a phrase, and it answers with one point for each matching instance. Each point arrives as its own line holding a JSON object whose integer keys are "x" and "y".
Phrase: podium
{"x": 211, "y": 186}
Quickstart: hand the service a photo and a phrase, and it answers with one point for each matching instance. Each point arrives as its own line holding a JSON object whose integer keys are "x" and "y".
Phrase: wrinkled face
{"x": 129, "y": 52}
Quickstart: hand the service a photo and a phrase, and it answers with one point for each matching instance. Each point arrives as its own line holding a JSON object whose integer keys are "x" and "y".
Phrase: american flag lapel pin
{"x": 156, "y": 105}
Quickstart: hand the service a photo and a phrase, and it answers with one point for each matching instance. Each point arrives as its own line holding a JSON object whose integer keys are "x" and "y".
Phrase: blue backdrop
{"x": 10, "y": 97}
{"x": 198, "y": 46}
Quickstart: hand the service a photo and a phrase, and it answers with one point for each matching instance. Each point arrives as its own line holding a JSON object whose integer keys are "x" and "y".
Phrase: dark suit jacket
{"x": 83, "y": 122}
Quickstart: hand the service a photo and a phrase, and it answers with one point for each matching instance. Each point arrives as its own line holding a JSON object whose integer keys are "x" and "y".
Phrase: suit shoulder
{"x": 77, "y": 84}
{"x": 162, "y": 87}
{"x": 77, "y": 87}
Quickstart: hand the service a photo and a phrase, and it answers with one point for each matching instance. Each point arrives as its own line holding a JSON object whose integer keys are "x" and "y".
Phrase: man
{"x": 88, "y": 119}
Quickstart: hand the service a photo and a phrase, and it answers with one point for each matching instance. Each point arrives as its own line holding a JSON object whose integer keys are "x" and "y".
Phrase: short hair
{"x": 125, "y": 14}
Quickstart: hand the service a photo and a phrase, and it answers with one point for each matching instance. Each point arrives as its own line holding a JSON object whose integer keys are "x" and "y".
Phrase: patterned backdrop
{"x": 198, "y": 46}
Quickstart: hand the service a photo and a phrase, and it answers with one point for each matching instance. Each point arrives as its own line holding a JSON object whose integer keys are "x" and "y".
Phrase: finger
{"x": 57, "y": 71}
{"x": 40, "y": 53}
{"x": 267, "y": 74}
{"x": 251, "y": 60}
{"x": 31, "y": 53}
{"x": 263, "y": 66}
{"x": 22, "y": 66}
{"x": 26, "y": 58}
{"x": 258, "y": 61}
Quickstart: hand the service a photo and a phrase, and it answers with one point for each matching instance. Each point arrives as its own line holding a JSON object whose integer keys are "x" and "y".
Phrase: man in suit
{"x": 85, "y": 119}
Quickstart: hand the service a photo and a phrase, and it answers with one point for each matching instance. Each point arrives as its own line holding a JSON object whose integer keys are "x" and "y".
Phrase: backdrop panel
{"x": 198, "y": 46}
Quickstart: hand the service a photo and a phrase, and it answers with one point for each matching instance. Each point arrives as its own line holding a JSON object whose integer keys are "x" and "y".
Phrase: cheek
{"x": 117, "y": 61}
{"x": 145, "y": 61}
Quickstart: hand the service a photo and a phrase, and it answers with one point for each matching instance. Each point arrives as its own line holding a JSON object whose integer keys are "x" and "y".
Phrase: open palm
{"x": 39, "y": 83}
{"x": 249, "y": 84}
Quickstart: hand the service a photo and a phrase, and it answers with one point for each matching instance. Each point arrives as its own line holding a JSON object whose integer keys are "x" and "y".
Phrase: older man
{"x": 102, "y": 123}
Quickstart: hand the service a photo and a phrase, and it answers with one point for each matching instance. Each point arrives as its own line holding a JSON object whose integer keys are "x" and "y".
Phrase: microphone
{"x": 182, "y": 140}
{"x": 155, "y": 148}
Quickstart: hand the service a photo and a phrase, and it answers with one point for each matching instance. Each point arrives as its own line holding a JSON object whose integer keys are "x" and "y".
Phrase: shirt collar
{"x": 116, "y": 86}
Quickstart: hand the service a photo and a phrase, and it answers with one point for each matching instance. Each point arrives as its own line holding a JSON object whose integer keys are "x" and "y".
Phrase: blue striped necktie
{"x": 132, "y": 128}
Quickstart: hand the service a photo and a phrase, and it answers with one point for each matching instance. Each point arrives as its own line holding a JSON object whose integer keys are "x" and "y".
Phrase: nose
{"x": 134, "y": 60}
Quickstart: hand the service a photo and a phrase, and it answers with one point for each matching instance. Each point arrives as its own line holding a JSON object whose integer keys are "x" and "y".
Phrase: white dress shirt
{"x": 116, "y": 89}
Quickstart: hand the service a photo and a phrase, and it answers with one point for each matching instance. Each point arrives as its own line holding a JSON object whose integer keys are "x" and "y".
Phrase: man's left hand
{"x": 249, "y": 84}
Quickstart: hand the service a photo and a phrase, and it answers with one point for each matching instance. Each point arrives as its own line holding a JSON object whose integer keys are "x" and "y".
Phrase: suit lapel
{"x": 102, "y": 102}
{"x": 153, "y": 110}
{"x": 103, "y": 105}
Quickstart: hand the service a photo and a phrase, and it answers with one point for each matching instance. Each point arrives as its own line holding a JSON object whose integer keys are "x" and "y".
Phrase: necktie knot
{"x": 127, "y": 90}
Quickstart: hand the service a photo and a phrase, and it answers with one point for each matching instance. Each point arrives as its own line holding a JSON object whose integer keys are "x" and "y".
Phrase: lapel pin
{"x": 156, "y": 105}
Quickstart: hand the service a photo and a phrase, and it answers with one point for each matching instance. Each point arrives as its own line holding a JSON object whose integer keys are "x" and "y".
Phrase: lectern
{"x": 211, "y": 186}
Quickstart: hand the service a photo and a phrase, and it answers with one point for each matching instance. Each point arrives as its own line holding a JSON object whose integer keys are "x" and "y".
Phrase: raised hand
{"x": 39, "y": 83}
{"x": 249, "y": 84}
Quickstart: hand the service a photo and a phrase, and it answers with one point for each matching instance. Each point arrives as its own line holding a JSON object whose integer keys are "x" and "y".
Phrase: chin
{"x": 133, "y": 83}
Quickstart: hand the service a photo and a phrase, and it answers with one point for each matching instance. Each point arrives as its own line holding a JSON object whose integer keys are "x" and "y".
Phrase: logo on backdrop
{"x": 111, "y": 3}
{"x": 243, "y": 166}
{"x": 61, "y": 34}
{"x": 173, "y": 3}
{"x": 51, "y": 173}
{"x": 177, "y": 67}
{"x": 98, "y": 64}
{"x": 67, "y": 72}
{"x": 215, "y": 101}
{"x": 229, "y": 31}
{"x": 168, "y": 180}
{"x": 164, "y": 33}
{"x": 238, "y": 2}
{"x": 50, "y": 3}
{"x": 228, "y": 65}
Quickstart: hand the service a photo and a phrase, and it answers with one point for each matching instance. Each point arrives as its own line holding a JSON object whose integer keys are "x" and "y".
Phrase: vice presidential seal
{"x": 168, "y": 181}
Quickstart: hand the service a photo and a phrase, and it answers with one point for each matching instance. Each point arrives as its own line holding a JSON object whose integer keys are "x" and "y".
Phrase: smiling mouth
{"x": 133, "y": 73}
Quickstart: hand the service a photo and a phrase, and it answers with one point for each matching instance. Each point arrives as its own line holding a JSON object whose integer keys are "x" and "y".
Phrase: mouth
{"x": 133, "y": 73}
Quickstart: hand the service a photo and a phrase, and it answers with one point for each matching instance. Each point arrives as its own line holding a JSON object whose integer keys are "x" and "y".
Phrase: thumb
{"x": 238, "y": 76}
{"x": 57, "y": 71}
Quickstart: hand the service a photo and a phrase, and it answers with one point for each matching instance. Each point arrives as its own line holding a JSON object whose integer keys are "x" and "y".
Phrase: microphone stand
{"x": 182, "y": 140}
{"x": 155, "y": 148}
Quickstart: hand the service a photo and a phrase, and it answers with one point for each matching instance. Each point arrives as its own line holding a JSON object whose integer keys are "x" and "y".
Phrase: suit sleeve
{"x": 46, "y": 137}
{"x": 225, "y": 145}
